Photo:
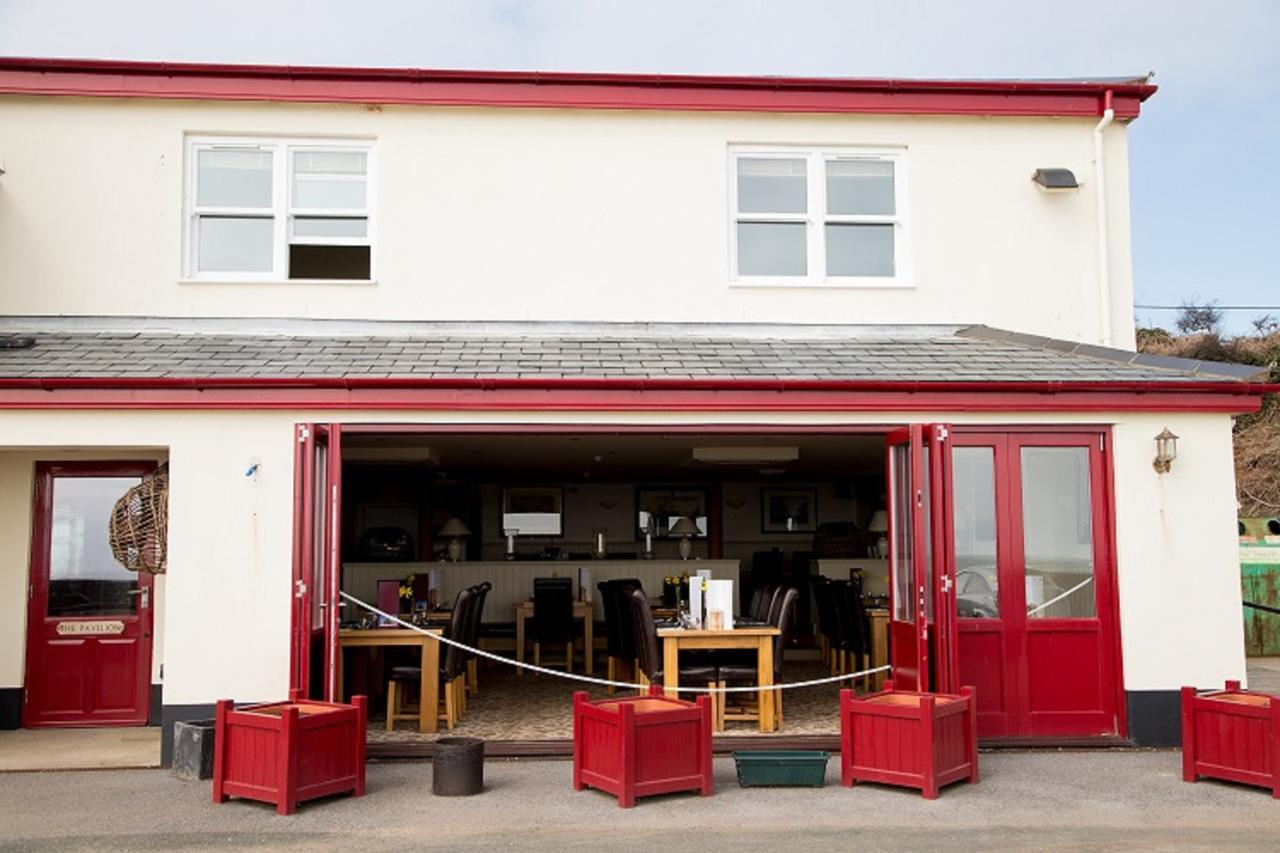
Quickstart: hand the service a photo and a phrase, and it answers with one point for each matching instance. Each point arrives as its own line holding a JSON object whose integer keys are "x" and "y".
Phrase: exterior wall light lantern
{"x": 455, "y": 530}
{"x": 1166, "y": 451}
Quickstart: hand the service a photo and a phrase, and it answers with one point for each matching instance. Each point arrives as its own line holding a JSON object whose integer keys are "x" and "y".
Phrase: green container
{"x": 778, "y": 767}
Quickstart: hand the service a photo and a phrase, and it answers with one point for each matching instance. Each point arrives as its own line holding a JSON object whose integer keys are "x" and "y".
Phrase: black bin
{"x": 458, "y": 767}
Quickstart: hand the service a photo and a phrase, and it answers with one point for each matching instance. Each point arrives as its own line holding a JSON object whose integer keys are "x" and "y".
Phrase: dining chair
{"x": 649, "y": 660}
{"x": 553, "y": 618}
{"x": 619, "y": 639}
{"x": 473, "y": 637}
{"x": 451, "y": 675}
{"x": 737, "y": 674}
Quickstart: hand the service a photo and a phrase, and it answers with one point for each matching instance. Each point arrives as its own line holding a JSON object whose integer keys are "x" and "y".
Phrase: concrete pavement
{"x": 1026, "y": 801}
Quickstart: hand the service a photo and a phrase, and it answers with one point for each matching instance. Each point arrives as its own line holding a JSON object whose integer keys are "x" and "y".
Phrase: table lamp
{"x": 455, "y": 530}
{"x": 879, "y": 523}
{"x": 686, "y": 528}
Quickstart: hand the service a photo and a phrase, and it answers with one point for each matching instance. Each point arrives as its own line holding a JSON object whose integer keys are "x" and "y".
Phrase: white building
{"x": 474, "y": 281}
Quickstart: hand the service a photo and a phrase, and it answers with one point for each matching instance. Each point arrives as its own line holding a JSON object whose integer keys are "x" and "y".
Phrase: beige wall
{"x": 228, "y": 587}
{"x": 17, "y": 484}
{"x": 521, "y": 214}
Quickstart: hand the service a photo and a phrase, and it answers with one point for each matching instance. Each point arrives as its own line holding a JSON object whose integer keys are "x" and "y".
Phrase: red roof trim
{"x": 104, "y": 78}
{"x": 626, "y": 395}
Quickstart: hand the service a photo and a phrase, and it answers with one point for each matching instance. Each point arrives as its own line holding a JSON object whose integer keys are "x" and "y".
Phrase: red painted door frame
{"x": 53, "y": 695}
{"x": 1028, "y": 669}
{"x": 922, "y": 640}
{"x": 317, "y": 565}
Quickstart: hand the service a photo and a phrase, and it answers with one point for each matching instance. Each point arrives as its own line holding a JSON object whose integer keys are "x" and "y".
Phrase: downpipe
{"x": 1104, "y": 248}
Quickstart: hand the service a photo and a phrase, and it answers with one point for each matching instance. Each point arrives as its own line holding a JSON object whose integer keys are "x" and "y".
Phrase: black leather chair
{"x": 737, "y": 674}
{"x": 552, "y": 623}
{"x": 619, "y": 635}
{"x": 828, "y": 625}
{"x": 473, "y": 637}
{"x": 649, "y": 655}
{"x": 452, "y": 671}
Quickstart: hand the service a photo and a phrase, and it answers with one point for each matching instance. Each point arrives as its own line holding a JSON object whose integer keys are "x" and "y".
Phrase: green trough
{"x": 778, "y": 767}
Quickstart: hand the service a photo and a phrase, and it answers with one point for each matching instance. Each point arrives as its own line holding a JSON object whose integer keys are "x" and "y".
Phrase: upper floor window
{"x": 277, "y": 210}
{"x": 818, "y": 217}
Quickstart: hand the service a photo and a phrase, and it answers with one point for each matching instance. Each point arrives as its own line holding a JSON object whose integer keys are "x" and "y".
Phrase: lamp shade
{"x": 454, "y": 527}
{"x": 879, "y": 522}
{"x": 685, "y": 526}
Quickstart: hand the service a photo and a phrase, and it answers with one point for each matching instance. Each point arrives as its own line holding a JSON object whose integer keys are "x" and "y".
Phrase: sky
{"x": 1204, "y": 156}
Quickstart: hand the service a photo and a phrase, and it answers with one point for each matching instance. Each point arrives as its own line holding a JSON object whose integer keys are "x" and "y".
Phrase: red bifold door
{"x": 316, "y": 559}
{"x": 922, "y": 648}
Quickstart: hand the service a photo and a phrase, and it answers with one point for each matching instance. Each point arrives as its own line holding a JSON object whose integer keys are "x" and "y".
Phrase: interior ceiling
{"x": 618, "y": 456}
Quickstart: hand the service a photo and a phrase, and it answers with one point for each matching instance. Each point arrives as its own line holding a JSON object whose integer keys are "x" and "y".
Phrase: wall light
{"x": 1056, "y": 180}
{"x": 1166, "y": 451}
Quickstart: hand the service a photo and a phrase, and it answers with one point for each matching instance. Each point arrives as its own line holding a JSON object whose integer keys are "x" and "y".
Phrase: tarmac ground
{"x": 1034, "y": 800}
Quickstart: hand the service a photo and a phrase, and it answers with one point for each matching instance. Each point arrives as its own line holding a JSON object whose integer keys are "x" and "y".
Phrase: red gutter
{"x": 108, "y": 78}
{"x": 624, "y": 384}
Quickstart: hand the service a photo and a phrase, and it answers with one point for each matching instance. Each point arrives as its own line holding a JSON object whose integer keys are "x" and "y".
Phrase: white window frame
{"x": 816, "y": 217}
{"x": 282, "y": 210}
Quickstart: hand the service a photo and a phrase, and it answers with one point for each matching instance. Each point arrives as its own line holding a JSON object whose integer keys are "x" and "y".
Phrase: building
{"x": 341, "y": 301}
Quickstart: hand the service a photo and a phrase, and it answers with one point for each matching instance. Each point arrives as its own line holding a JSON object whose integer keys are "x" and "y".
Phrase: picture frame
{"x": 788, "y": 510}
{"x": 532, "y": 510}
{"x": 661, "y": 506}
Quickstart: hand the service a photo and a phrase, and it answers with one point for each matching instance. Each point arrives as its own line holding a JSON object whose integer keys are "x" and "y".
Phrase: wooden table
{"x": 581, "y": 610}
{"x": 879, "y": 618}
{"x": 429, "y": 690}
{"x": 674, "y": 640}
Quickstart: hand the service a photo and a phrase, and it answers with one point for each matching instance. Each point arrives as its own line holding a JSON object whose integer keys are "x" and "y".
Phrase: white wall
{"x": 228, "y": 588}
{"x": 1179, "y": 566}
{"x": 518, "y": 214}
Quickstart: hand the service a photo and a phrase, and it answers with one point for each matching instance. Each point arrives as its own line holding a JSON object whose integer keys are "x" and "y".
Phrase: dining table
{"x": 583, "y": 610}
{"x": 758, "y": 639}
{"x": 429, "y": 688}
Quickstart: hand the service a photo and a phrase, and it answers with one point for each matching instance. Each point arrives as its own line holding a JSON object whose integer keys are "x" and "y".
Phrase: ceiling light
{"x": 744, "y": 455}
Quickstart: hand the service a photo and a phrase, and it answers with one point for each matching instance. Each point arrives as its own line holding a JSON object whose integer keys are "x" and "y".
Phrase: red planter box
{"x": 288, "y": 752}
{"x": 919, "y": 740}
{"x": 1231, "y": 734}
{"x": 642, "y": 745}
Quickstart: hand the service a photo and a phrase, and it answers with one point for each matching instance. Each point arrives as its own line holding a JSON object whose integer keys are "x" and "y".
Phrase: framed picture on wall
{"x": 657, "y": 510}
{"x": 788, "y": 510}
{"x": 533, "y": 510}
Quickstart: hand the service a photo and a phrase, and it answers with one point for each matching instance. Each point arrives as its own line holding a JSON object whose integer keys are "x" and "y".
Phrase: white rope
{"x": 573, "y": 676}
{"x": 1033, "y": 611}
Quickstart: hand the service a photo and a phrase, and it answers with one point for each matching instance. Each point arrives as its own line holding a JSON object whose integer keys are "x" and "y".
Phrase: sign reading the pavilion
{"x": 94, "y": 627}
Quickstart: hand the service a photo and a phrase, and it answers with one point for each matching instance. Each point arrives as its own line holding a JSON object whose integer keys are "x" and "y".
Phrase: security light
{"x": 1056, "y": 180}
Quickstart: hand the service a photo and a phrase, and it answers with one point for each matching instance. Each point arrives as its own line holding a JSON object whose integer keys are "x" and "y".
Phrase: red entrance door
{"x": 921, "y": 606}
{"x": 88, "y": 619}
{"x": 1035, "y": 601}
{"x": 316, "y": 559}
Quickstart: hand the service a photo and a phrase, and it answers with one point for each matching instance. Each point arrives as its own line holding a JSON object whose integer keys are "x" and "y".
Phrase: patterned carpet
{"x": 539, "y": 708}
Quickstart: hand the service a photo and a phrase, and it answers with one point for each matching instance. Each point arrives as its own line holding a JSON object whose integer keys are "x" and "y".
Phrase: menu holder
{"x": 695, "y": 601}
{"x": 720, "y": 597}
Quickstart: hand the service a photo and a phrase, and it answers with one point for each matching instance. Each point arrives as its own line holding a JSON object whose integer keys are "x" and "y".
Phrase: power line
{"x": 1213, "y": 306}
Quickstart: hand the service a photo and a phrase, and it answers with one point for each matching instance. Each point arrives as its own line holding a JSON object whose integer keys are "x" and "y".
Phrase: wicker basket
{"x": 139, "y": 526}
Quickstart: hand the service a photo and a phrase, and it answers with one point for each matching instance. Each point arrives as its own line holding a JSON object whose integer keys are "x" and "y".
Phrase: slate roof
{"x": 81, "y": 348}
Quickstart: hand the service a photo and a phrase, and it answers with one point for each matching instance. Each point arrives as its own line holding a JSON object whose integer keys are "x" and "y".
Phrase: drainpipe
{"x": 1104, "y": 251}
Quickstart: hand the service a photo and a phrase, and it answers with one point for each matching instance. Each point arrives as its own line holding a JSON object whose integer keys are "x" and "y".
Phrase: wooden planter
{"x": 288, "y": 752}
{"x": 642, "y": 745}
{"x": 918, "y": 740}
{"x": 1231, "y": 734}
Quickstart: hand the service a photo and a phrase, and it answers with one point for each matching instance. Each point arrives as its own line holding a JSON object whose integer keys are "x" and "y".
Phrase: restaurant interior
{"x": 533, "y": 546}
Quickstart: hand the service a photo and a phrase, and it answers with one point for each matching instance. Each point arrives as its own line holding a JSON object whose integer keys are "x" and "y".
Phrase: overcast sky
{"x": 1205, "y": 153}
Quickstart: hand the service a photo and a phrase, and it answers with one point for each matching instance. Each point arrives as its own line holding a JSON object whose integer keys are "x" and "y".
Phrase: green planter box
{"x": 777, "y": 767}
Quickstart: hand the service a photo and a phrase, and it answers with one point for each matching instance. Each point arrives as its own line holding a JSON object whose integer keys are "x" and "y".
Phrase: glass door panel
{"x": 974, "y": 502}
{"x": 1057, "y": 532}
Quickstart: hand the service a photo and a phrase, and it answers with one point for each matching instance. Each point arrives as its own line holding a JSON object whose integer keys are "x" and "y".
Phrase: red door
{"x": 1034, "y": 576}
{"x": 922, "y": 646}
{"x": 316, "y": 559}
{"x": 89, "y": 619}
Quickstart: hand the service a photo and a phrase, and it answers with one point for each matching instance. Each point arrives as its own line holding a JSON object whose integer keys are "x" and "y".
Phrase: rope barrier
{"x": 573, "y": 676}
